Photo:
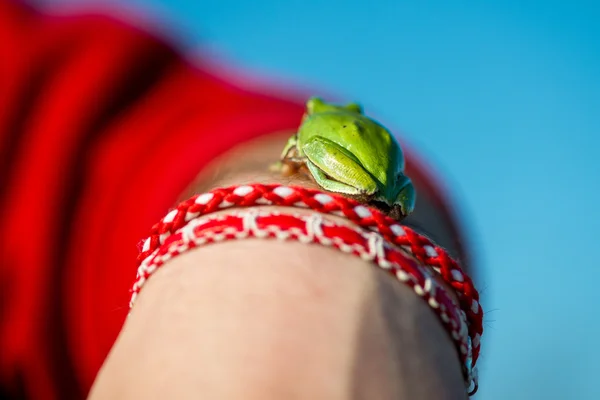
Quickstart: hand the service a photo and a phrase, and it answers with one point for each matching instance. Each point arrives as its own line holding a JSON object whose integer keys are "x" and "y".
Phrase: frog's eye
{"x": 354, "y": 107}
{"x": 314, "y": 104}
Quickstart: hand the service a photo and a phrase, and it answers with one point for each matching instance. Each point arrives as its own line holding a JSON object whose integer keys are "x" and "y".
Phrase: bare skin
{"x": 260, "y": 319}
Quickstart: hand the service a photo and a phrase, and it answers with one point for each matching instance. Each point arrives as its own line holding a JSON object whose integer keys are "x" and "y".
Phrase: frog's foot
{"x": 276, "y": 167}
{"x": 289, "y": 162}
{"x": 284, "y": 168}
{"x": 290, "y": 151}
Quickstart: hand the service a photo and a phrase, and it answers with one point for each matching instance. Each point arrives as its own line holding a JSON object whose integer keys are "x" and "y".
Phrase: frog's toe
{"x": 276, "y": 166}
{"x": 290, "y": 149}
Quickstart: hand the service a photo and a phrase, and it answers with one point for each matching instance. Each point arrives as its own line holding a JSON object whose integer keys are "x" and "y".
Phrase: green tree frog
{"x": 349, "y": 153}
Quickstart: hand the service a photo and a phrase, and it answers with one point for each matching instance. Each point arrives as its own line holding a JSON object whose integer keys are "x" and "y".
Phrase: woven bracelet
{"x": 377, "y": 238}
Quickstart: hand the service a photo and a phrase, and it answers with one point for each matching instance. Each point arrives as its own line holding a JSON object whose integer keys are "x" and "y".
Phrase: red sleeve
{"x": 94, "y": 116}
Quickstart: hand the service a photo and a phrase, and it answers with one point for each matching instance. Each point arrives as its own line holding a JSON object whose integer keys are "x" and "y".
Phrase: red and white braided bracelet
{"x": 378, "y": 238}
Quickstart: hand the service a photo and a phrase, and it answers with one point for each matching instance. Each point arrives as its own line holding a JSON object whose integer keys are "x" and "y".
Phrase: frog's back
{"x": 368, "y": 141}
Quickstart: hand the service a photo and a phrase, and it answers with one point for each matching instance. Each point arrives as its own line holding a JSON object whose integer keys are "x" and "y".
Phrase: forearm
{"x": 322, "y": 324}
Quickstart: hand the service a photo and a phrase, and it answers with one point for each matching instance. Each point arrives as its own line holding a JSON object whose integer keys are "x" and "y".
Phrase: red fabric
{"x": 94, "y": 114}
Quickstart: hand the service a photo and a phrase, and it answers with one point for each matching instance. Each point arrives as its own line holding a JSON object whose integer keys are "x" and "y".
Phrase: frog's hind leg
{"x": 331, "y": 185}
{"x": 337, "y": 170}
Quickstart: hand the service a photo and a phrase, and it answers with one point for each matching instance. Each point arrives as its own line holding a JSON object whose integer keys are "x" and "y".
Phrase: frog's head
{"x": 316, "y": 105}
{"x": 398, "y": 201}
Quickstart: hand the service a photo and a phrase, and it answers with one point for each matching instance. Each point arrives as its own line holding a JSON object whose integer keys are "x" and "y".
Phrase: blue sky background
{"x": 503, "y": 97}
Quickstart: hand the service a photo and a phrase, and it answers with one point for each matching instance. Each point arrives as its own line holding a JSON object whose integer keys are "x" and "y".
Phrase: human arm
{"x": 217, "y": 323}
